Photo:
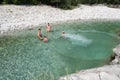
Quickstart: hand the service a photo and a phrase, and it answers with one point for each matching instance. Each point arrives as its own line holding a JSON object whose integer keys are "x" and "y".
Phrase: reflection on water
{"x": 24, "y": 57}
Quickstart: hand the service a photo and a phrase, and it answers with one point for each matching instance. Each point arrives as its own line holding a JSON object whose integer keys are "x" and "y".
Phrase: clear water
{"x": 87, "y": 44}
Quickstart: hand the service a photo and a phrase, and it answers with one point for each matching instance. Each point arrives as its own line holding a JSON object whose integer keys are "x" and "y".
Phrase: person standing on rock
{"x": 48, "y": 27}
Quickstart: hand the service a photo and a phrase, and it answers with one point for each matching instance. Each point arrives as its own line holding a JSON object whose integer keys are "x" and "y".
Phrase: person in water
{"x": 45, "y": 39}
{"x": 39, "y": 35}
{"x": 48, "y": 27}
{"x": 63, "y": 33}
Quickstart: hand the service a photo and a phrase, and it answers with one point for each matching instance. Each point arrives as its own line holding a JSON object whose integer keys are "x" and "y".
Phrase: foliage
{"x": 65, "y": 4}
{"x": 5, "y": 2}
{"x": 1, "y": 1}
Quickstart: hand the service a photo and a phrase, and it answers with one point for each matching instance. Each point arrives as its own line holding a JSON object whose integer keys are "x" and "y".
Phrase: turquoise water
{"x": 87, "y": 44}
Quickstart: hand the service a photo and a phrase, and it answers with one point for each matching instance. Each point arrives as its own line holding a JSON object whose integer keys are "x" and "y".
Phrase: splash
{"x": 95, "y": 31}
{"x": 79, "y": 39}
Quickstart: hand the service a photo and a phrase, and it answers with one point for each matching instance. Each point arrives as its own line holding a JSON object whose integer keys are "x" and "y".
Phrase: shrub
{"x": 65, "y": 4}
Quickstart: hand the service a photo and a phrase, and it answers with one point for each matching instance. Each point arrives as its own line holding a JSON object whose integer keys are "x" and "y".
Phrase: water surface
{"x": 87, "y": 44}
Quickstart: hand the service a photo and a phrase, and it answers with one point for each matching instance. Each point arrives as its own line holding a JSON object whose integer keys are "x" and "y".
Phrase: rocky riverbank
{"x": 14, "y": 17}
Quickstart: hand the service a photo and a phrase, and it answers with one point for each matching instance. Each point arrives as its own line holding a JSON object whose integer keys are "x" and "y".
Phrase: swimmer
{"x": 48, "y": 27}
{"x": 39, "y": 35}
{"x": 63, "y": 33}
{"x": 45, "y": 39}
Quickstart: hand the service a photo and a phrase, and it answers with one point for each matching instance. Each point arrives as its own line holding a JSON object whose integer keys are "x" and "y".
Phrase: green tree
{"x": 116, "y": 2}
{"x": 74, "y": 2}
{"x": 1, "y": 1}
{"x": 66, "y": 4}
{"x": 5, "y": 2}
{"x": 15, "y": 2}
{"x": 34, "y": 1}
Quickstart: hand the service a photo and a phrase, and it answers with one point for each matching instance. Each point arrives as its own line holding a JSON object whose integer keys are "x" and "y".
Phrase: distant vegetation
{"x": 65, "y": 4}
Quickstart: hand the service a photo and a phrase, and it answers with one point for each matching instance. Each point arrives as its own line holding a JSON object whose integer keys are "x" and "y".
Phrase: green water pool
{"x": 87, "y": 44}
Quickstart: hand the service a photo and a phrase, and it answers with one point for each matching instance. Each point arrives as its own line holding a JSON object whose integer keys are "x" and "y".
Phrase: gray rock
{"x": 117, "y": 55}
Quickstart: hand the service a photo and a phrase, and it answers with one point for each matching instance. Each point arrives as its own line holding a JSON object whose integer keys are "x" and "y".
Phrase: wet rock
{"x": 117, "y": 55}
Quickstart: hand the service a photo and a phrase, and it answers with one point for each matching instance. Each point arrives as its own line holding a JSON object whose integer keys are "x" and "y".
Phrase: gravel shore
{"x": 14, "y": 17}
